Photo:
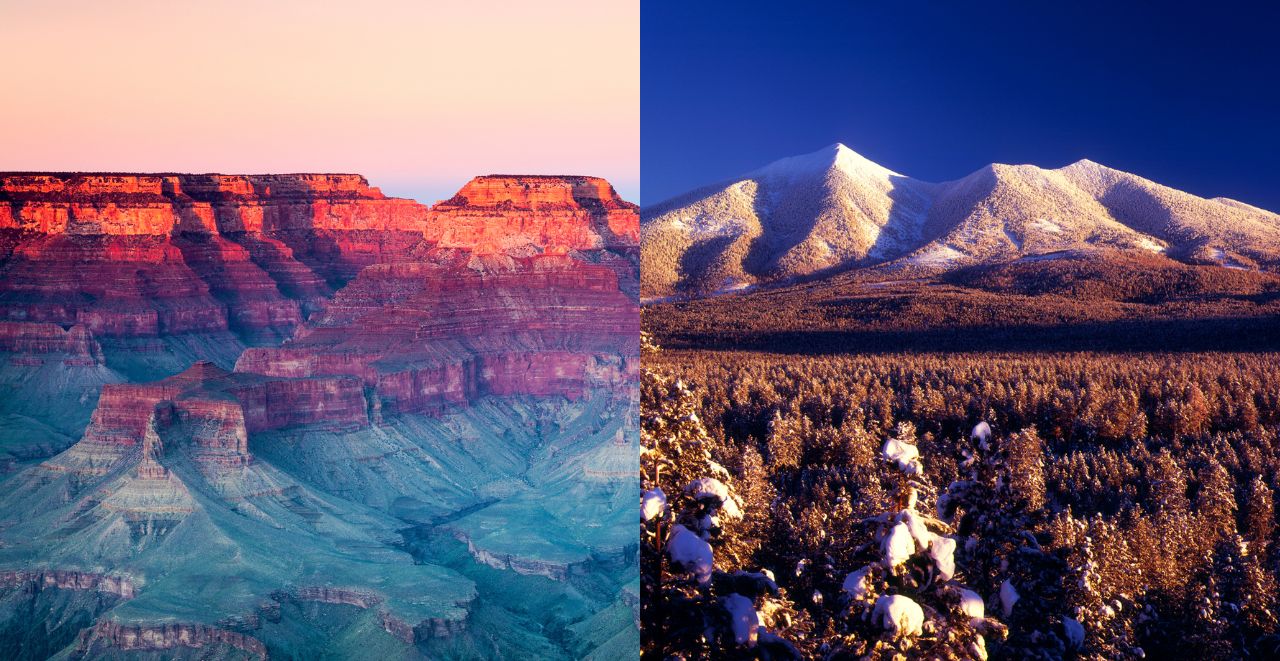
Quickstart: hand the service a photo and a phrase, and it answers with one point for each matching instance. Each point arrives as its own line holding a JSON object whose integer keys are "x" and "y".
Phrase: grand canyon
{"x": 286, "y": 415}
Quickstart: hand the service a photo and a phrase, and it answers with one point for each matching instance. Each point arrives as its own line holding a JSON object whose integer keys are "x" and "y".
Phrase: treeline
{"x": 1131, "y": 304}
{"x": 1126, "y": 497}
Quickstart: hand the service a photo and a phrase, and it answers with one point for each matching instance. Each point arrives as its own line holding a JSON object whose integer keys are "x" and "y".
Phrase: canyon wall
{"x": 129, "y": 255}
{"x": 425, "y": 335}
{"x": 353, "y": 306}
{"x": 251, "y": 256}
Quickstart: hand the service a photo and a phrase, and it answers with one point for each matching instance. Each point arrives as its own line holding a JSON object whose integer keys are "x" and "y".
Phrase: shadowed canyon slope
{"x": 834, "y": 211}
{"x": 288, "y": 415}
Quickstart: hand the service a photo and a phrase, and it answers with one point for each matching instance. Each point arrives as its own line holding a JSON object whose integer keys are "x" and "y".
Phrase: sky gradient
{"x": 1188, "y": 96}
{"x": 417, "y": 96}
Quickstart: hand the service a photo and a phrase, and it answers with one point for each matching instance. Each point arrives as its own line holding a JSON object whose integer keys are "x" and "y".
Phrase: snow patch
{"x": 899, "y": 614}
{"x": 718, "y": 470}
{"x": 1223, "y": 259}
{"x": 971, "y": 604}
{"x": 923, "y": 536}
{"x": 1008, "y": 597}
{"x": 1074, "y": 631}
{"x": 742, "y": 614}
{"x": 898, "y": 546}
{"x": 856, "y": 583}
{"x": 1046, "y": 256}
{"x": 943, "y": 551}
{"x": 886, "y": 283}
{"x": 652, "y": 504}
{"x": 691, "y": 552}
{"x": 1017, "y": 243}
{"x": 1046, "y": 225}
{"x": 730, "y": 286}
{"x": 940, "y": 255}
{"x": 708, "y": 225}
{"x": 1148, "y": 244}
{"x": 905, "y": 454}
{"x": 710, "y": 487}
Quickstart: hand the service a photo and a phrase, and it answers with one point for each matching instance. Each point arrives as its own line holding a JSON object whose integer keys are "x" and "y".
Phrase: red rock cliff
{"x": 499, "y": 213}
{"x": 218, "y": 409}
{"x": 424, "y": 335}
{"x": 136, "y": 255}
{"x": 109, "y": 637}
{"x": 162, "y": 204}
{"x": 31, "y": 341}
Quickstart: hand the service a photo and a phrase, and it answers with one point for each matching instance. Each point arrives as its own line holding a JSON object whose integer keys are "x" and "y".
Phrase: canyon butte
{"x": 288, "y": 416}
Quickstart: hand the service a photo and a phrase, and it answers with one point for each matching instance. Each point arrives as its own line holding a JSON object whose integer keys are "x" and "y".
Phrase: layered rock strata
{"x": 152, "y": 255}
{"x": 497, "y": 213}
{"x": 358, "y": 306}
{"x": 424, "y": 335}
{"x": 223, "y": 407}
{"x": 115, "y": 636}
{"x": 526, "y": 215}
{"x": 30, "y": 342}
{"x": 43, "y": 579}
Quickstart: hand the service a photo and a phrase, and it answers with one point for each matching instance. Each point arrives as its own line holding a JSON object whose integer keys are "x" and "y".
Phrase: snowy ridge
{"x": 834, "y": 210}
{"x": 797, "y": 216}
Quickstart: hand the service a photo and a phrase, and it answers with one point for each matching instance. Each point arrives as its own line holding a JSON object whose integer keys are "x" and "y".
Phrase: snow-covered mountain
{"x": 833, "y": 210}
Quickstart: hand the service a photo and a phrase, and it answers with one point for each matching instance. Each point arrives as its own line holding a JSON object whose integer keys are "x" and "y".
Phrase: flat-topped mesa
{"x": 222, "y": 187}
{"x": 89, "y": 186}
{"x": 165, "y": 203}
{"x": 541, "y": 213}
{"x": 547, "y": 192}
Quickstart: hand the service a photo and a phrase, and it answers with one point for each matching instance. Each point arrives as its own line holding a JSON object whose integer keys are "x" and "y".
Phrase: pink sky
{"x": 417, "y": 96}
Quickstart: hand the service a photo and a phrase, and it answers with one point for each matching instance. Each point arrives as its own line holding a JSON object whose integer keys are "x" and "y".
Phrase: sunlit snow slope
{"x": 833, "y": 210}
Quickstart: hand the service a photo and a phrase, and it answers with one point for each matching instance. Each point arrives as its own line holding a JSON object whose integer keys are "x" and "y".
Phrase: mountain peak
{"x": 836, "y": 156}
{"x": 853, "y": 163}
{"x": 1086, "y": 165}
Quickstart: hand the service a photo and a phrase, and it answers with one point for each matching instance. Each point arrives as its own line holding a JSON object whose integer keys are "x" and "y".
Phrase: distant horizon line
{"x": 400, "y": 186}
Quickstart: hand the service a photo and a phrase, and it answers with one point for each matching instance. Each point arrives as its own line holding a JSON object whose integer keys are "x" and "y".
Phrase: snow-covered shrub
{"x": 907, "y": 599}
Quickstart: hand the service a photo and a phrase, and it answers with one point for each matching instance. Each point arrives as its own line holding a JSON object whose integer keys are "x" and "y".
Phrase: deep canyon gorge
{"x": 287, "y": 415}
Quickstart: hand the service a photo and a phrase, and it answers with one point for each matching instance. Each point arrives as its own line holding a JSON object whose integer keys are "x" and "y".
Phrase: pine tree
{"x": 1216, "y": 502}
{"x": 784, "y": 443}
{"x": 1246, "y": 595}
{"x": 690, "y": 518}
{"x": 998, "y": 510}
{"x": 1102, "y": 575}
{"x": 1260, "y": 516}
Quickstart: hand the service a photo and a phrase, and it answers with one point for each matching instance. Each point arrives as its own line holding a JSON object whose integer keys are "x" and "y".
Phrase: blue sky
{"x": 1188, "y": 96}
